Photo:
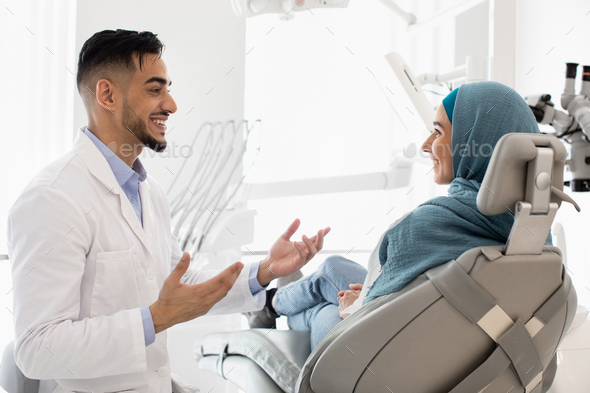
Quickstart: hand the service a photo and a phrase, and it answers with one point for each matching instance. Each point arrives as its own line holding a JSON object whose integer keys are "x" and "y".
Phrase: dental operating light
{"x": 287, "y": 8}
{"x": 412, "y": 87}
{"x": 475, "y": 69}
{"x": 251, "y": 8}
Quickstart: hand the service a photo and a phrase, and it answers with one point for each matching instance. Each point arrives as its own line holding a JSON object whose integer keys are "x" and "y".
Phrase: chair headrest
{"x": 505, "y": 181}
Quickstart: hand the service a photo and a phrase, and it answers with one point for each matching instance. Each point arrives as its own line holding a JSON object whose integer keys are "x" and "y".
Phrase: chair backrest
{"x": 490, "y": 320}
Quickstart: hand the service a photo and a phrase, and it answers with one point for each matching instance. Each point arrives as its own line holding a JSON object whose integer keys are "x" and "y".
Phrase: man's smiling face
{"x": 148, "y": 103}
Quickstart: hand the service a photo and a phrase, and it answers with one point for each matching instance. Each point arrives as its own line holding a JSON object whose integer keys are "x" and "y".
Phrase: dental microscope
{"x": 572, "y": 126}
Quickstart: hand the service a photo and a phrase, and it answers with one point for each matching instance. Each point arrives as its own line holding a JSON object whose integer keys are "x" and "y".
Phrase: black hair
{"x": 115, "y": 48}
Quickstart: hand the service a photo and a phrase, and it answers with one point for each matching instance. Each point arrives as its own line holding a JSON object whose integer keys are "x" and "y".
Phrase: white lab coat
{"x": 82, "y": 268}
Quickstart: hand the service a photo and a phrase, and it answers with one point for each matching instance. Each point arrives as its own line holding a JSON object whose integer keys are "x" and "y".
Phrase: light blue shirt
{"x": 129, "y": 179}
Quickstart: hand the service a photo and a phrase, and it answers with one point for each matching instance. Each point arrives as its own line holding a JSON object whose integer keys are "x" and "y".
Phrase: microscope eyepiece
{"x": 580, "y": 185}
{"x": 586, "y": 74}
{"x": 571, "y": 70}
{"x": 539, "y": 113}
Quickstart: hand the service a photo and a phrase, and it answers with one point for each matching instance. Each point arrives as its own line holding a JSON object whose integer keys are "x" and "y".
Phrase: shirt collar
{"x": 120, "y": 169}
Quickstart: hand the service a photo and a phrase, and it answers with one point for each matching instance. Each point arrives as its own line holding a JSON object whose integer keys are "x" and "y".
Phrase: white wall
{"x": 37, "y": 45}
{"x": 204, "y": 40}
{"x": 471, "y": 33}
{"x": 549, "y": 34}
{"x": 36, "y": 104}
{"x": 319, "y": 83}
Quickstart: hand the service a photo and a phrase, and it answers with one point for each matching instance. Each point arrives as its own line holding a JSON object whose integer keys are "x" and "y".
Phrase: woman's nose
{"x": 427, "y": 145}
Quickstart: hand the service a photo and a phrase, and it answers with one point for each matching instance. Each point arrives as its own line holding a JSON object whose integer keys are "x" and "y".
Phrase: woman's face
{"x": 438, "y": 145}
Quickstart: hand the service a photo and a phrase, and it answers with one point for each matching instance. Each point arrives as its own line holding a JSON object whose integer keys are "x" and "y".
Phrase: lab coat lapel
{"x": 132, "y": 220}
{"x": 147, "y": 211}
{"x": 100, "y": 168}
{"x": 96, "y": 163}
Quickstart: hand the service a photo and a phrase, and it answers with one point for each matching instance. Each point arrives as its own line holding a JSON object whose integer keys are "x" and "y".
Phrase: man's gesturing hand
{"x": 180, "y": 302}
{"x": 286, "y": 257}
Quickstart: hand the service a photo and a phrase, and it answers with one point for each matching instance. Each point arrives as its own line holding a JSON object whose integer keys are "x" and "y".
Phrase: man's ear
{"x": 105, "y": 90}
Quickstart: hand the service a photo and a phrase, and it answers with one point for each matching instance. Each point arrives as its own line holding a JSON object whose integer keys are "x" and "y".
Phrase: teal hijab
{"x": 449, "y": 103}
{"x": 443, "y": 228}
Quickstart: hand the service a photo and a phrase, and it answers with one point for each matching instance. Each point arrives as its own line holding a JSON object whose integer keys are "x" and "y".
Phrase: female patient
{"x": 466, "y": 128}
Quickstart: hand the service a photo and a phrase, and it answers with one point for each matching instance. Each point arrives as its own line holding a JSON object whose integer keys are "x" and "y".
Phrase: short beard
{"x": 134, "y": 124}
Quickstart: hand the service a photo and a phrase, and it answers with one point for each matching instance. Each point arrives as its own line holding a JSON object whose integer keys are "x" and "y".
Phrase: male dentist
{"x": 98, "y": 276}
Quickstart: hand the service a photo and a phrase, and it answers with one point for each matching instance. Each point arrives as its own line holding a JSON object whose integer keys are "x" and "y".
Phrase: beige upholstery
{"x": 490, "y": 321}
{"x": 12, "y": 380}
{"x": 502, "y": 189}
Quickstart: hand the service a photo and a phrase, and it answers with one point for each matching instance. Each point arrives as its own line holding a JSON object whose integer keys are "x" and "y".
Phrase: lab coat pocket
{"x": 115, "y": 284}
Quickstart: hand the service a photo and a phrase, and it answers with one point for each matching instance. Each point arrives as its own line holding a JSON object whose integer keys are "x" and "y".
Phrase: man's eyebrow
{"x": 436, "y": 123}
{"x": 159, "y": 80}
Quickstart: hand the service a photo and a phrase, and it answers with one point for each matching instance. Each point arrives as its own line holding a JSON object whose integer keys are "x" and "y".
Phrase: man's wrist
{"x": 265, "y": 275}
{"x": 159, "y": 324}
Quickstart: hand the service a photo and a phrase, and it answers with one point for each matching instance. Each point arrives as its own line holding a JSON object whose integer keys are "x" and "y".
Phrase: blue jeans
{"x": 311, "y": 303}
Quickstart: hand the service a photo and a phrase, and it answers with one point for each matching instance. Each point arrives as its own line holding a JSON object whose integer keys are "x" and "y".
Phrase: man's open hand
{"x": 286, "y": 257}
{"x": 180, "y": 302}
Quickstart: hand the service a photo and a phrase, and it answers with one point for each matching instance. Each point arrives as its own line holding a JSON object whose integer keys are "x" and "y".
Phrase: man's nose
{"x": 169, "y": 104}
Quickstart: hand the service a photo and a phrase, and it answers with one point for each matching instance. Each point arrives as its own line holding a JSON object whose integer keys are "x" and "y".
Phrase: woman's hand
{"x": 346, "y": 298}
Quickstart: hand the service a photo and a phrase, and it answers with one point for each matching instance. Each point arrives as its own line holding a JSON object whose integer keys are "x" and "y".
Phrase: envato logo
{"x": 127, "y": 150}
{"x": 472, "y": 149}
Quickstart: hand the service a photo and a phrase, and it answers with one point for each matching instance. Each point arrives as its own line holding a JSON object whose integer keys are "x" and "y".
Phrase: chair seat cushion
{"x": 280, "y": 353}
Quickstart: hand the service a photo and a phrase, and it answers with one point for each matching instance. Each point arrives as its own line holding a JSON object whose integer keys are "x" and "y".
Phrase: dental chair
{"x": 490, "y": 321}
{"x": 11, "y": 378}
